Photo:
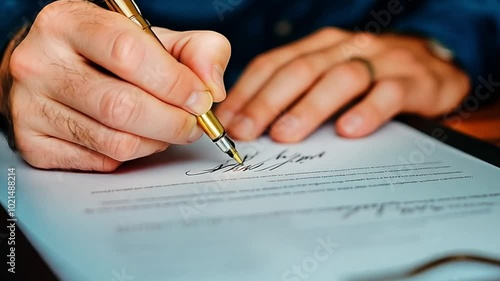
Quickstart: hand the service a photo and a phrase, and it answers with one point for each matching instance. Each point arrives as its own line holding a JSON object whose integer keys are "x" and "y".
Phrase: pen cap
{"x": 211, "y": 125}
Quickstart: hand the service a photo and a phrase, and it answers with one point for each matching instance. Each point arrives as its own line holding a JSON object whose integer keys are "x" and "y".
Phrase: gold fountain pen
{"x": 208, "y": 122}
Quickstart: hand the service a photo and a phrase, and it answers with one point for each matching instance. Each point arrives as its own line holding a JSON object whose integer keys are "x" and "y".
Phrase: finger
{"x": 122, "y": 106}
{"x": 264, "y": 66}
{"x": 51, "y": 153}
{"x": 266, "y": 105}
{"x": 206, "y": 53}
{"x": 120, "y": 46}
{"x": 277, "y": 95}
{"x": 395, "y": 63}
{"x": 438, "y": 86}
{"x": 339, "y": 86}
{"x": 387, "y": 99}
{"x": 427, "y": 85}
{"x": 384, "y": 64}
{"x": 61, "y": 122}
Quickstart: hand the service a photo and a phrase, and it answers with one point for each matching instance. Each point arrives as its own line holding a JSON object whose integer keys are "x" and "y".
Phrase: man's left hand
{"x": 295, "y": 88}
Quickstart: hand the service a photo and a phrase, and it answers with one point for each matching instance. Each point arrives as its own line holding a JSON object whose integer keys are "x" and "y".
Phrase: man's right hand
{"x": 92, "y": 90}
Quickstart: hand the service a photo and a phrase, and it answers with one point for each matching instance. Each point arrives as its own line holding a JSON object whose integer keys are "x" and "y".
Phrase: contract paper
{"x": 328, "y": 208}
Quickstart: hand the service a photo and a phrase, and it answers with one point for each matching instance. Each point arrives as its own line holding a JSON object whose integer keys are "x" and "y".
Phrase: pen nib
{"x": 236, "y": 156}
{"x": 228, "y": 147}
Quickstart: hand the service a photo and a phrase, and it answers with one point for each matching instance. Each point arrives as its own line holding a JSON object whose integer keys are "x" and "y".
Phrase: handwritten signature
{"x": 284, "y": 158}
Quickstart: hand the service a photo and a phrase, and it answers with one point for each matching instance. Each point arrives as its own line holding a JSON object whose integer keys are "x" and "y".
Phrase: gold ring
{"x": 369, "y": 67}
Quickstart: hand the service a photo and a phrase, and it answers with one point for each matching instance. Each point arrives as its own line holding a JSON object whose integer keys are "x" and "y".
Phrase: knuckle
{"x": 348, "y": 73}
{"x": 404, "y": 57}
{"x": 365, "y": 39}
{"x": 127, "y": 51}
{"x": 119, "y": 107}
{"x": 21, "y": 64}
{"x": 364, "y": 36}
{"x": 262, "y": 62}
{"x": 50, "y": 16}
{"x": 47, "y": 15}
{"x": 303, "y": 67}
{"x": 122, "y": 147}
{"x": 395, "y": 92}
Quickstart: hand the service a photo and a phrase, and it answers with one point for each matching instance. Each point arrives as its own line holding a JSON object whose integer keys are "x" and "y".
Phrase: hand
{"x": 295, "y": 88}
{"x": 92, "y": 90}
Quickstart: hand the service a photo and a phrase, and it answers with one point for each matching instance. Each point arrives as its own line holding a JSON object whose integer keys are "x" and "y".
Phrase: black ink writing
{"x": 284, "y": 158}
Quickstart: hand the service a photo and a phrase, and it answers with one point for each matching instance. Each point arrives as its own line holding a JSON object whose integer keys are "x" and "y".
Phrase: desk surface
{"x": 483, "y": 124}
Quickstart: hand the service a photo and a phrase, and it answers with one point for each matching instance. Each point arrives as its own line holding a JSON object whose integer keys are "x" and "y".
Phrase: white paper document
{"x": 325, "y": 209}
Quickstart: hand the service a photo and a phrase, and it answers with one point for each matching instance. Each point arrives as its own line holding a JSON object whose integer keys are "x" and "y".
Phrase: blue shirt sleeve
{"x": 470, "y": 28}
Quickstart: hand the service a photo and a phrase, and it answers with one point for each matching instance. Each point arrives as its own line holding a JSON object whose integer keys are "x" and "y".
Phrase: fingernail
{"x": 244, "y": 127}
{"x": 195, "y": 134}
{"x": 286, "y": 125}
{"x": 199, "y": 102}
{"x": 218, "y": 77}
{"x": 287, "y": 129}
{"x": 351, "y": 123}
{"x": 225, "y": 117}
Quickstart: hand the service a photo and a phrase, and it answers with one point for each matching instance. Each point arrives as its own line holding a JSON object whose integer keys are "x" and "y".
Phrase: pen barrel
{"x": 142, "y": 22}
{"x": 127, "y": 8}
{"x": 211, "y": 125}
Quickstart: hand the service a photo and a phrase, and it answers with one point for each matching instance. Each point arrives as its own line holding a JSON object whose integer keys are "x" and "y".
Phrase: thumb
{"x": 206, "y": 53}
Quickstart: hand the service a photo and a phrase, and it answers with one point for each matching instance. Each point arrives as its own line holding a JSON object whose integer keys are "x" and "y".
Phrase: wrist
{"x": 6, "y": 81}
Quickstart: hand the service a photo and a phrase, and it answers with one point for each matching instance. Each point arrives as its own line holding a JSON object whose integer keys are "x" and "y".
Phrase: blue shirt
{"x": 470, "y": 28}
